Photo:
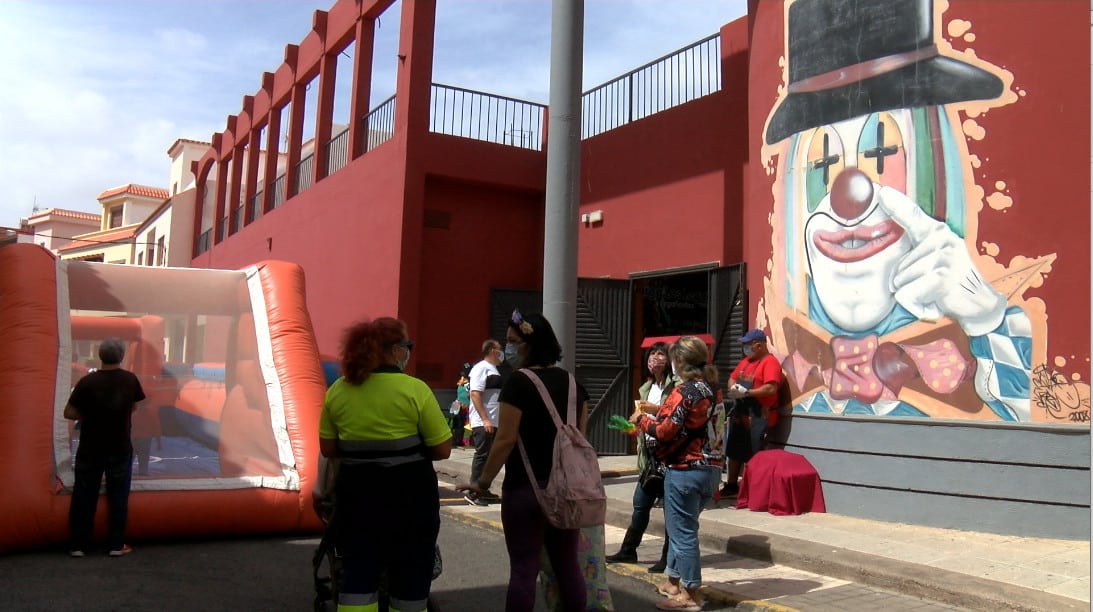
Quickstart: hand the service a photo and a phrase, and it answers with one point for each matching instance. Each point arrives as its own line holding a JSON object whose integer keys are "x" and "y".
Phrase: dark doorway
{"x": 675, "y": 304}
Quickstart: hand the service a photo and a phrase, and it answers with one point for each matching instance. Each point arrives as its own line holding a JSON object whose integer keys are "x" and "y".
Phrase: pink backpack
{"x": 574, "y": 496}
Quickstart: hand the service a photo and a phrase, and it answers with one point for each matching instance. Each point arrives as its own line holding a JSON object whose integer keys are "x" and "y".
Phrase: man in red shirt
{"x": 754, "y": 385}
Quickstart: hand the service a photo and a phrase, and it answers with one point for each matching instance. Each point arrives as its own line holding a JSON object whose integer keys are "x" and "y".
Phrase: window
{"x": 160, "y": 249}
{"x": 150, "y": 247}
{"x": 140, "y": 259}
{"x": 115, "y": 217}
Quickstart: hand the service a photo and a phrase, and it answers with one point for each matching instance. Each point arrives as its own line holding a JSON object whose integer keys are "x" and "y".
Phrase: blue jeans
{"x": 686, "y": 492}
{"x": 85, "y": 497}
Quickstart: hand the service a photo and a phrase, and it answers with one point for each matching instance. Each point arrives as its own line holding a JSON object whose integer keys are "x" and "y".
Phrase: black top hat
{"x": 852, "y": 57}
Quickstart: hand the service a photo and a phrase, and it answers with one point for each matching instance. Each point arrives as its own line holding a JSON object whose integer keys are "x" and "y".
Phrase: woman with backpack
{"x": 680, "y": 436}
{"x": 525, "y": 417}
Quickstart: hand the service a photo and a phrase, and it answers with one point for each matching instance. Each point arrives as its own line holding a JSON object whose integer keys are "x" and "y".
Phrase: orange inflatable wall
{"x": 35, "y": 503}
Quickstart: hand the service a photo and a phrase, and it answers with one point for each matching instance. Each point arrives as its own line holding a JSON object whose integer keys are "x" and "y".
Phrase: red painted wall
{"x": 345, "y": 233}
{"x": 670, "y": 185}
{"x": 494, "y": 240}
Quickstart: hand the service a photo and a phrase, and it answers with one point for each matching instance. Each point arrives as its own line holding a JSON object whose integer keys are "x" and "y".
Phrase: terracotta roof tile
{"x": 137, "y": 190}
{"x": 64, "y": 212}
{"x": 100, "y": 238}
{"x": 187, "y": 141}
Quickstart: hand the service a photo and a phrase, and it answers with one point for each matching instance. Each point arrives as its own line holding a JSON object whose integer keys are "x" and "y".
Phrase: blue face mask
{"x": 748, "y": 350}
{"x": 511, "y": 356}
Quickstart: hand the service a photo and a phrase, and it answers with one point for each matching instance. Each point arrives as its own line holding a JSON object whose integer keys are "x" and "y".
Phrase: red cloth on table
{"x": 780, "y": 483}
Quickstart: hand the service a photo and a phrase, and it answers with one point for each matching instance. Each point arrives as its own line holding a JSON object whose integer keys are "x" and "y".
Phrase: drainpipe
{"x": 563, "y": 173}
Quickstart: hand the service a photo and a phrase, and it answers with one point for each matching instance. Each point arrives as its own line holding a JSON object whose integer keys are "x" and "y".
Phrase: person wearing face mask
{"x": 524, "y": 420}
{"x": 753, "y": 389}
{"x": 651, "y": 394}
{"x": 386, "y": 428}
{"x": 485, "y": 385}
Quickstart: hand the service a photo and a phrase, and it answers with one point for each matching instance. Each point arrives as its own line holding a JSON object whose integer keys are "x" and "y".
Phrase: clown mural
{"x": 876, "y": 297}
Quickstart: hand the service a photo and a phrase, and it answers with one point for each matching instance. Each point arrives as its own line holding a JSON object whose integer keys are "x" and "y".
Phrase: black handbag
{"x": 651, "y": 479}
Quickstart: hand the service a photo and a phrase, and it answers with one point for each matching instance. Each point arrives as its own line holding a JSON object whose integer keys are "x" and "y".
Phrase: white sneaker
{"x": 121, "y": 552}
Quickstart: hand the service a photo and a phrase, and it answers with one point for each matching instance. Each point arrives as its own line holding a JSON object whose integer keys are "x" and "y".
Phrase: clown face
{"x": 851, "y": 244}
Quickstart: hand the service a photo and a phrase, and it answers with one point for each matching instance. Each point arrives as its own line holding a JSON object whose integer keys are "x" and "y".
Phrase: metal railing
{"x": 221, "y": 224}
{"x": 278, "y": 192}
{"x": 255, "y": 207}
{"x": 203, "y": 242}
{"x": 482, "y": 116}
{"x": 337, "y": 152}
{"x": 237, "y": 220}
{"x": 304, "y": 174}
{"x": 681, "y": 76}
{"x": 378, "y": 126}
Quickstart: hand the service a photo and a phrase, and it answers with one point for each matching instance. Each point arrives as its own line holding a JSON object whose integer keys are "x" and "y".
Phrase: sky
{"x": 95, "y": 91}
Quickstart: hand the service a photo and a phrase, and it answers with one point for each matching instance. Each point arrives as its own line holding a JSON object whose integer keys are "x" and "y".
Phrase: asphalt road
{"x": 259, "y": 574}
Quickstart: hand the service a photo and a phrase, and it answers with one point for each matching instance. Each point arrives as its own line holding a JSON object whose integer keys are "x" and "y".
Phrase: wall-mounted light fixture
{"x": 592, "y": 218}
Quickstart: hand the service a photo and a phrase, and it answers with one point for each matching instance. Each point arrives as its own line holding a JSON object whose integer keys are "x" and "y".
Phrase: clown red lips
{"x": 850, "y": 245}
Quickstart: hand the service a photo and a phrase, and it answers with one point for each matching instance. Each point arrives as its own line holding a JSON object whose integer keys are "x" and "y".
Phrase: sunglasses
{"x": 409, "y": 344}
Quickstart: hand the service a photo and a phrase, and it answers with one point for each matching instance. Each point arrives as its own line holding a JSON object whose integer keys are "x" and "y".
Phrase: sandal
{"x": 680, "y": 604}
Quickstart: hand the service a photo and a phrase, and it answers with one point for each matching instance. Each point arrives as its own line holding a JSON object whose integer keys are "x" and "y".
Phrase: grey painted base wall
{"x": 1028, "y": 480}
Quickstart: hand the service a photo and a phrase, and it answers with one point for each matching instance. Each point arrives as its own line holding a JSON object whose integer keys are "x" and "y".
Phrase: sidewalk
{"x": 965, "y": 569}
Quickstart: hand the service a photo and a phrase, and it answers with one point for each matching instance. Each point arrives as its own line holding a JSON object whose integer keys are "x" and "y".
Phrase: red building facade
{"x": 953, "y": 250}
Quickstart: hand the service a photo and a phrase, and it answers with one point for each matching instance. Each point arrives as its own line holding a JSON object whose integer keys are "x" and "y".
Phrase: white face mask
{"x": 404, "y": 360}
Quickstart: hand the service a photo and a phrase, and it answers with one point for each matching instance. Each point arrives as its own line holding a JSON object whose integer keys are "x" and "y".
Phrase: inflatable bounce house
{"x": 226, "y": 441}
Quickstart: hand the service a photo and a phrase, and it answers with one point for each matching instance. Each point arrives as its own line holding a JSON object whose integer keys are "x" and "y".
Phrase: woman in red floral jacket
{"x": 683, "y": 439}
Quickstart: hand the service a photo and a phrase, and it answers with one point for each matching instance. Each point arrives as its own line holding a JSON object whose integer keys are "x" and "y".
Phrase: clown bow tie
{"x": 864, "y": 368}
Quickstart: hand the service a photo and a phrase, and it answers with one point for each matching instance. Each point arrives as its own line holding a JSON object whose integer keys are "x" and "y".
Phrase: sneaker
{"x": 730, "y": 490}
{"x": 473, "y": 500}
{"x": 75, "y": 553}
{"x": 658, "y": 567}
{"x": 121, "y": 552}
{"x": 490, "y": 498}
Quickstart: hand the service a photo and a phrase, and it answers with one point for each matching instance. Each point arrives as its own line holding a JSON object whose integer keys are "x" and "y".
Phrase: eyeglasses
{"x": 408, "y": 345}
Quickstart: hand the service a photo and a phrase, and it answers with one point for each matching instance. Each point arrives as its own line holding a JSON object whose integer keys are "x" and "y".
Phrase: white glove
{"x": 737, "y": 391}
{"x": 937, "y": 276}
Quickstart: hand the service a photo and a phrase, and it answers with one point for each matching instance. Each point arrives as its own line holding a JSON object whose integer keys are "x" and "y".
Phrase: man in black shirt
{"x": 103, "y": 403}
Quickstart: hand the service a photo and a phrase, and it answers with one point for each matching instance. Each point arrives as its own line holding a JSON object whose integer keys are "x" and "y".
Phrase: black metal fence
{"x": 379, "y": 124}
{"x": 237, "y": 220}
{"x": 337, "y": 152}
{"x": 255, "y": 207}
{"x": 482, "y": 116}
{"x": 278, "y": 192}
{"x": 681, "y": 76}
{"x": 304, "y": 174}
{"x": 203, "y": 242}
